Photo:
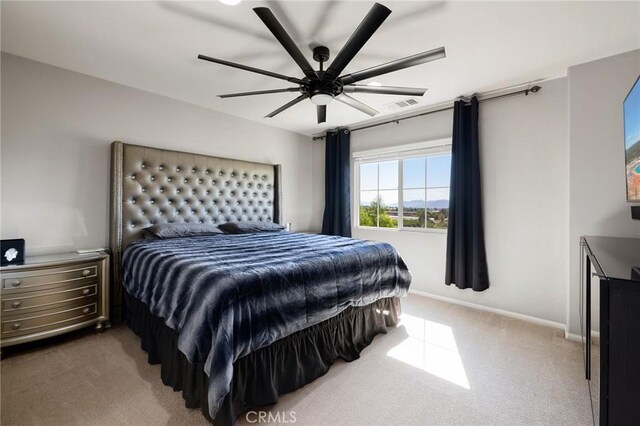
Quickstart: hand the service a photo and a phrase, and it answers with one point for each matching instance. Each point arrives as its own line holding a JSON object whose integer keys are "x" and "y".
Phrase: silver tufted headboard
{"x": 151, "y": 186}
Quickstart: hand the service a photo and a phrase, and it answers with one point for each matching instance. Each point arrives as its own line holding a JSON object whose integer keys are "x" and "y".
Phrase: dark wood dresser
{"x": 616, "y": 262}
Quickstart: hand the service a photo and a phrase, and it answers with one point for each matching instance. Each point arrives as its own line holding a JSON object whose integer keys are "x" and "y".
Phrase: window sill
{"x": 412, "y": 230}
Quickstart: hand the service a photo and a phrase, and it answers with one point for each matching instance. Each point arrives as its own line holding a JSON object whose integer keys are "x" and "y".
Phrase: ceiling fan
{"x": 322, "y": 86}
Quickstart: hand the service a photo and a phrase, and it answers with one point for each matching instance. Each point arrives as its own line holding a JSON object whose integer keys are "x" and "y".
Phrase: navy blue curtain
{"x": 466, "y": 256}
{"x": 337, "y": 184}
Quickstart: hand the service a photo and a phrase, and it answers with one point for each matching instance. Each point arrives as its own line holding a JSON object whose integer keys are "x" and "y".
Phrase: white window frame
{"x": 399, "y": 153}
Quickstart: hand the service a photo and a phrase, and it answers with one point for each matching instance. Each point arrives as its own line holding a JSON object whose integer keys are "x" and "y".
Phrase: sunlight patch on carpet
{"x": 432, "y": 348}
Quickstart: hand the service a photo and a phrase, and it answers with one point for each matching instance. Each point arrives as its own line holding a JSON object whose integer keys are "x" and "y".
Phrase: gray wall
{"x": 56, "y": 129}
{"x": 525, "y": 185}
{"x": 553, "y": 169}
{"x": 598, "y": 201}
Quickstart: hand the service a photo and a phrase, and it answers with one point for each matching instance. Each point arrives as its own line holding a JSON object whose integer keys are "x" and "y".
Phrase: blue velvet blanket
{"x": 229, "y": 295}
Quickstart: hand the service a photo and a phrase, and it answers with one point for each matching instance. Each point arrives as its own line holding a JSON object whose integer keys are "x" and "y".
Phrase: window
{"x": 407, "y": 188}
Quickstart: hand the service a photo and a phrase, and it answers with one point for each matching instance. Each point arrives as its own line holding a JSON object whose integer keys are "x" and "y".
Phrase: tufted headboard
{"x": 151, "y": 186}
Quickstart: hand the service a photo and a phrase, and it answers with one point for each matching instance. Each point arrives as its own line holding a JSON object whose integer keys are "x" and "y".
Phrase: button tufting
{"x": 220, "y": 173}
{"x": 144, "y": 165}
{"x": 193, "y": 170}
{"x": 153, "y": 178}
{"x": 161, "y": 167}
{"x": 133, "y": 177}
{"x": 186, "y": 181}
{"x": 259, "y": 185}
{"x": 144, "y": 189}
{"x": 199, "y": 180}
{"x": 255, "y": 176}
{"x": 264, "y": 178}
{"x": 161, "y": 189}
{"x": 169, "y": 179}
{"x": 233, "y": 174}
{"x": 177, "y": 169}
{"x": 206, "y": 172}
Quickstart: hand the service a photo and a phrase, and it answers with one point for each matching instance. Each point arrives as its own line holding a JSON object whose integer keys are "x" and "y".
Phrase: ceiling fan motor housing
{"x": 316, "y": 87}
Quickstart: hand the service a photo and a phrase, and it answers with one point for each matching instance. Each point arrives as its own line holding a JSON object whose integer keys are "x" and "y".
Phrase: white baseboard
{"x": 510, "y": 314}
{"x": 569, "y": 336}
{"x": 578, "y": 338}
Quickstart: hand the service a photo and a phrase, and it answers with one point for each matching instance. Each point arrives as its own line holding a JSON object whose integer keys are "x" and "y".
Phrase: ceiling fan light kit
{"x": 321, "y": 86}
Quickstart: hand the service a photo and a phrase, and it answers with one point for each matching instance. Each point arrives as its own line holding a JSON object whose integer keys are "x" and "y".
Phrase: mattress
{"x": 229, "y": 295}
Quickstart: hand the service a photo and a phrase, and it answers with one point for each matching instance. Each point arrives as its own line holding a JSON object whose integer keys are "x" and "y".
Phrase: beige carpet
{"x": 443, "y": 365}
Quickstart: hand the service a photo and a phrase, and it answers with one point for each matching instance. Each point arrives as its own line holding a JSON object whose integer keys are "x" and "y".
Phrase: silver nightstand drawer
{"x": 28, "y": 301}
{"x": 47, "y": 320}
{"x": 20, "y": 280}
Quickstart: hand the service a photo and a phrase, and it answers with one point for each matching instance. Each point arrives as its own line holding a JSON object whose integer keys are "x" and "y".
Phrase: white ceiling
{"x": 153, "y": 46}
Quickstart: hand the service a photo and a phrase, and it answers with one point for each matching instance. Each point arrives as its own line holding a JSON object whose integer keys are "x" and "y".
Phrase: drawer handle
{"x": 16, "y": 325}
{"x": 86, "y": 310}
{"x": 86, "y": 272}
{"x": 86, "y": 291}
{"x": 16, "y": 283}
{"x": 16, "y": 304}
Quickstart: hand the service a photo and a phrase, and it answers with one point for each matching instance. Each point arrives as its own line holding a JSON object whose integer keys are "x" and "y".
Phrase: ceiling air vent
{"x": 394, "y": 106}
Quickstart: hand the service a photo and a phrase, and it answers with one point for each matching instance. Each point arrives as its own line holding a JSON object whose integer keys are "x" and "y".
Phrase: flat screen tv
{"x": 631, "y": 107}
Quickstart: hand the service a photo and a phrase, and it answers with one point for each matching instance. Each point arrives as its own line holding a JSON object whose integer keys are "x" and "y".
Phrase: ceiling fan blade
{"x": 322, "y": 113}
{"x": 361, "y": 35}
{"x": 269, "y": 19}
{"x": 260, "y": 92}
{"x": 409, "y": 61}
{"x": 285, "y": 106}
{"x": 385, "y": 90}
{"x": 251, "y": 69}
{"x": 352, "y": 102}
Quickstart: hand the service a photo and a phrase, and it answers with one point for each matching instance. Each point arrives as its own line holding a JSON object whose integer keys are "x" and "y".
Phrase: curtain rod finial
{"x": 534, "y": 89}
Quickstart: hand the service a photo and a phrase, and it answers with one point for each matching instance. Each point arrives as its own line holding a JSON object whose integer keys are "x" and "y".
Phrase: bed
{"x": 237, "y": 320}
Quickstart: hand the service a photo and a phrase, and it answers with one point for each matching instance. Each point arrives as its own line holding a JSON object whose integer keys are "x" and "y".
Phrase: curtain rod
{"x": 534, "y": 89}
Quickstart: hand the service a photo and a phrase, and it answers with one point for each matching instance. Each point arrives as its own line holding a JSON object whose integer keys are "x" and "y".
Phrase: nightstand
{"x": 51, "y": 295}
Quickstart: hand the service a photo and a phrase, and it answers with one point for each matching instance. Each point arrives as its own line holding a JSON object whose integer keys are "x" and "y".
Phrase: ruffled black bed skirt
{"x": 262, "y": 376}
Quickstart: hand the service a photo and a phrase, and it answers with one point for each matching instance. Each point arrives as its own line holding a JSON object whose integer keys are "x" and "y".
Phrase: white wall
{"x": 598, "y": 202}
{"x": 56, "y": 129}
{"x": 524, "y": 153}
